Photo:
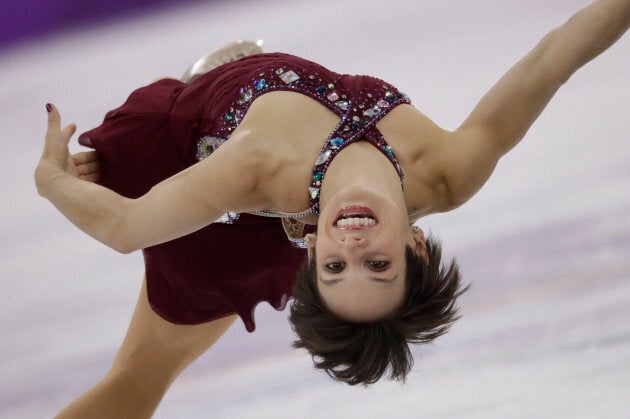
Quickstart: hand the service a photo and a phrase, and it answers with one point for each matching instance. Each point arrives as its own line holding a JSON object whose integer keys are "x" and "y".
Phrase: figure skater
{"x": 345, "y": 162}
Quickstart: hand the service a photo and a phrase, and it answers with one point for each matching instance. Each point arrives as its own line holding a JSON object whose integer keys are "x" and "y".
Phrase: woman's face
{"x": 360, "y": 254}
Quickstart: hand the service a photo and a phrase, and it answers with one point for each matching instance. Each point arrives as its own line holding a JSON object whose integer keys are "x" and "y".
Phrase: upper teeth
{"x": 355, "y": 221}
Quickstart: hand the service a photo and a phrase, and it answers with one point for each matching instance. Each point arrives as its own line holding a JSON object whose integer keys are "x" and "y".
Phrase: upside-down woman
{"x": 180, "y": 167}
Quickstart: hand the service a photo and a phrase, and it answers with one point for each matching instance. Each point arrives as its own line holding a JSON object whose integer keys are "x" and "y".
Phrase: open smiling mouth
{"x": 355, "y": 217}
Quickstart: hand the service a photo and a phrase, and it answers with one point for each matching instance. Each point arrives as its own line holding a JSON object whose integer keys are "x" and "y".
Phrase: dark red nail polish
{"x": 48, "y": 107}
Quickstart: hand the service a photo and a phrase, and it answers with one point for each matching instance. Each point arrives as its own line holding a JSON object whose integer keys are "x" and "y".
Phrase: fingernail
{"x": 48, "y": 107}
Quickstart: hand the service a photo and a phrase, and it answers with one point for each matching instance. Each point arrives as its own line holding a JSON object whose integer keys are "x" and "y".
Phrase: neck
{"x": 361, "y": 165}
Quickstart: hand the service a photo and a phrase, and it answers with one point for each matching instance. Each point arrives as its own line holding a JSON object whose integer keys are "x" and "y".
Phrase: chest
{"x": 290, "y": 130}
{"x": 295, "y": 134}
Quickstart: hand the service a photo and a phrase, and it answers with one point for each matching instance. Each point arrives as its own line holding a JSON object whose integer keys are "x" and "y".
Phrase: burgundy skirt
{"x": 223, "y": 268}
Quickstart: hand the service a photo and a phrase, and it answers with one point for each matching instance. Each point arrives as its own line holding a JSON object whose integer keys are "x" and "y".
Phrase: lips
{"x": 355, "y": 217}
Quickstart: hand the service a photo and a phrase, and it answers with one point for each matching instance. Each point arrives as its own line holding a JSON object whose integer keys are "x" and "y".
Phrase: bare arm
{"x": 175, "y": 207}
{"x": 506, "y": 112}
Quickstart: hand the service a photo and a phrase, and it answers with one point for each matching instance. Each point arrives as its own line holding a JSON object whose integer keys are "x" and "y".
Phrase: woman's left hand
{"x": 56, "y": 159}
{"x": 85, "y": 166}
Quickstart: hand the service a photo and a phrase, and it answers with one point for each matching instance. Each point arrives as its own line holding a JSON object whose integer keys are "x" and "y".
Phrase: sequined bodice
{"x": 359, "y": 101}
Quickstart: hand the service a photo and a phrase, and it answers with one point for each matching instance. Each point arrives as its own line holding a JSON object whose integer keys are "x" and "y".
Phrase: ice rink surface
{"x": 546, "y": 243}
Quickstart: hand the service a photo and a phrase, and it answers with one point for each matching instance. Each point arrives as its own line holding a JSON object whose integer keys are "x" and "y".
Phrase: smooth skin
{"x": 443, "y": 170}
{"x": 153, "y": 353}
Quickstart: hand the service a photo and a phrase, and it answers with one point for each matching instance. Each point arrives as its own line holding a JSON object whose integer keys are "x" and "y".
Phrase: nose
{"x": 353, "y": 241}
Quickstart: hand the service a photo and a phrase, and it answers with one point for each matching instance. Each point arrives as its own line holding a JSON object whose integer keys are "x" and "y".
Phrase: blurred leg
{"x": 154, "y": 352}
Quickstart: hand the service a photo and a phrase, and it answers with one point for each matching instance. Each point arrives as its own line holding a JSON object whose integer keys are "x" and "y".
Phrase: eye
{"x": 379, "y": 265}
{"x": 335, "y": 267}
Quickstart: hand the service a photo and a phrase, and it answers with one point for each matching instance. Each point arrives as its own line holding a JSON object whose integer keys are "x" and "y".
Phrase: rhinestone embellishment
{"x": 260, "y": 84}
{"x": 228, "y": 218}
{"x": 246, "y": 96}
{"x": 289, "y": 77}
{"x": 336, "y": 142}
{"x": 359, "y": 112}
{"x": 322, "y": 158}
{"x": 390, "y": 97}
{"x": 343, "y": 105}
{"x": 207, "y": 145}
{"x": 372, "y": 111}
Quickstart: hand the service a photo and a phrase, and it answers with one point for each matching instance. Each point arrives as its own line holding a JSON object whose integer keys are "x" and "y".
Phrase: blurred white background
{"x": 545, "y": 331}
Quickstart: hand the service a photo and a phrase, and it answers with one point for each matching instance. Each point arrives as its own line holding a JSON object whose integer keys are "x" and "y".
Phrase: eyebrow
{"x": 334, "y": 281}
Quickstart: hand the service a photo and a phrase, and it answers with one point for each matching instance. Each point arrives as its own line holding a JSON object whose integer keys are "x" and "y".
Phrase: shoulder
{"x": 443, "y": 168}
{"x": 421, "y": 147}
{"x": 463, "y": 161}
{"x": 246, "y": 154}
{"x": 229, "y": 178}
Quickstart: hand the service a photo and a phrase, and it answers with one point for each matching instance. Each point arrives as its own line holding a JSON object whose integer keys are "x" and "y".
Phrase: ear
{"x": 420, "y": 242}
{"x": 310, "y": 239}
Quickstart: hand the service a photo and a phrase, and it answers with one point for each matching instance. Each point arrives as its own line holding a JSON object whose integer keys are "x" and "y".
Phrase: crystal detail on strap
{"x": 289, "y": 77}
{"x": 323, "y": 157}
{"x": 336, "y": 142}
{"x": 228, "y": 218}
{"x": 246, "y": 96}
{"x": 342, "y": 104}
{"x": 355, "y": 125}
{"x": 372, "y": 111}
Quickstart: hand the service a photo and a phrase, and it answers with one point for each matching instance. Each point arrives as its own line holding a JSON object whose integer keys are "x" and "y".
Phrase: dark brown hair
{"x": 360, "y": 353}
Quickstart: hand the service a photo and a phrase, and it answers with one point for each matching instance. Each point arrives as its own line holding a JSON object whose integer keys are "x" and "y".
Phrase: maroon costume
{"x": 168, "y": 126}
